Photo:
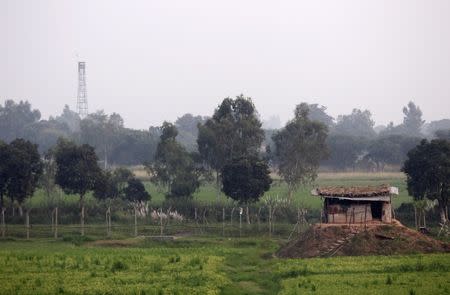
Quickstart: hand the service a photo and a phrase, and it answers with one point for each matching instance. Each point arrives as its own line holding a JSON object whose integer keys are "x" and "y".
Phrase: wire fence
{"x": 226, "y": 222}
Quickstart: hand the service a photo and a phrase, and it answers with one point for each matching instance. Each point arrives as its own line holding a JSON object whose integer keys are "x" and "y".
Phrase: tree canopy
{"x": 77, "y": 168}
{"x": 428, "y": 173}
{"x": 173, "y": 166}
{"x": 25, "y": 169}
{"x": 246, "y": 179}
{"x": 233, "y": 131}
{"x": 135, "y": 191}
{"x": 359, "y": 123}
{"x": 299, "y": 148}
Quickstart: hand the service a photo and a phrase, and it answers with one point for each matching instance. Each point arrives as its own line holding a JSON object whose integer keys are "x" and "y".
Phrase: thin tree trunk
{"x": 240, "y": 222}
{"x": 218, "y": 185}
{"x": 442, "y": 213}
{"x": 247, "y": 214}
{"x": 27, "y": 223}
{"x": 424, "y": 219}
{"x": 270, "y": 221}
{"x": 231, "y": 216}
{"x": 3, "y": 222}
{"x": 161, "y": 232}
{"x": 82, "y": 220}
{"x": 223, "y": 221}
{"x": 82, "y": 215}
{"x": 415, "y": 218}
{"x": 20, "y": 210}
{"x": 109, "y": 222}
{"x": 56, "y": 222}
{"x": 135, "y": 222}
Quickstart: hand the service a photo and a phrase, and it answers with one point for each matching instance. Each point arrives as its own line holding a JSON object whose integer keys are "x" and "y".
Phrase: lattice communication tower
{"x": 82, "y": 104}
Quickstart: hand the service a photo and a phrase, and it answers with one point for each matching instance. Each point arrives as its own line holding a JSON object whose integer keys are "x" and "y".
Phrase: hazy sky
{"x": 156, "y": 60}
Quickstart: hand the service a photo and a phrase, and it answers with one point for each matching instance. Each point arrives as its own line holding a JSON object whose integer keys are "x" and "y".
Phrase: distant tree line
{"x": 230, "y": 147}
{"x": 353, "y": 141}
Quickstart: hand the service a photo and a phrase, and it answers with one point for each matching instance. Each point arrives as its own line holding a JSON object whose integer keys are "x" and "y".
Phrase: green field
{"x": 208, "y": 193}
{"x": 207, "y": 266}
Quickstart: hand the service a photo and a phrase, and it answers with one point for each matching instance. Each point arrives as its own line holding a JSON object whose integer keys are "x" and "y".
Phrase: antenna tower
{"x": 82, "y": 105}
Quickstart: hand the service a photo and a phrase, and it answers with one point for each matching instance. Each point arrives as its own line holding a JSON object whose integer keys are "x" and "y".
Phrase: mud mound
{"x": 344, "y": 240}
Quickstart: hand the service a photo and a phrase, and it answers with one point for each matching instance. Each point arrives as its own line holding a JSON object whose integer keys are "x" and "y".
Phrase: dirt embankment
{"x": 344, "y": 240}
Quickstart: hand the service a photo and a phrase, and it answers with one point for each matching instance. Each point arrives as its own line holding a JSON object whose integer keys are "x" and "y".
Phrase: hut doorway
{"x": 377, "y": 210}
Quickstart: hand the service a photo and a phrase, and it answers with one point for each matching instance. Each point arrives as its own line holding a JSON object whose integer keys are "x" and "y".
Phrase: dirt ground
{"x": 377, "y": 239}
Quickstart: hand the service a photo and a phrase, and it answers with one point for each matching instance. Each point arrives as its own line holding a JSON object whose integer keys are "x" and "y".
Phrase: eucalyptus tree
{"x": 299, "y": 148}
{"x": 173, "y": 166}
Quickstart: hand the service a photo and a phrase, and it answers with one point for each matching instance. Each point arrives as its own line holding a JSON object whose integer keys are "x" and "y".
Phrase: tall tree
{"x": 14, "y": 117}
{"x": 299, "y": 148}
{"x": 70, "y": 118}
{"x": 358, "y": 123}
{"x": 412, "y": 122}
{"x": 173, "y": 166}
{"x": 5, "y": 157}
{"x": 428, "y": 173}
{"x": 188, "y": 130}
{"x": 25, "y": 169}
{"x": 77, "y": 170}
{"x": 319, "y": 113}
{"x": 47, "y": 180}
{"x": 233, "y": 131}
{"x": 344, "y": 150}
{"x": 102, "y": 131}
{"x": 246, "y": 179}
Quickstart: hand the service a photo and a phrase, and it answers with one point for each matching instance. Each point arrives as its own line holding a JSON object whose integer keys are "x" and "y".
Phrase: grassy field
{"x": 207, "y": 192}
{"x": 207, "y": 266}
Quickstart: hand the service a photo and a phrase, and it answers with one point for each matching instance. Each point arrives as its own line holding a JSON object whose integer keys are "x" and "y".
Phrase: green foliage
{"x": 118, "y": 266}
{"x": 24, "y": 170}
{"x": 14, "y": 117}
{"x": 318, "y": 113}
{"x": 299, "y": 148}
{"x": 412, "y": 121}
{"x": 173, "y": 166}
{"x": 390, "y": 149}
{"x": 135, "y": 191}
{"x": 209, "y": 266}
{"x": 233, "y": 131}
{"x": 359, "y": 123}
{"x": 188, "y": 131}
{"x": 428, "y": 172}
{"x": 246, "y": 179}
{"x": 344, "y": 150}
{"x": 77, "y": 169}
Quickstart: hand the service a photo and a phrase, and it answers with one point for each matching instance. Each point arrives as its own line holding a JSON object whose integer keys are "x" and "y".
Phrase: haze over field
{"x": 156, "y": 60}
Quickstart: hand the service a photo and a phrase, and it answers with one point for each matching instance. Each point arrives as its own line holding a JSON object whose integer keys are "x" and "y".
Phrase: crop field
{"x": 208, "y": 193}
{"x": 206, "y": 266}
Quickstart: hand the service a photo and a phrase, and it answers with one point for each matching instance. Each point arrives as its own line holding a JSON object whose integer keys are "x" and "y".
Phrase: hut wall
{"x": 387, "y": 213}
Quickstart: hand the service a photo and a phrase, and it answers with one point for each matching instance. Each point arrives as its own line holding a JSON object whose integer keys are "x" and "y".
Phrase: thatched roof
{"x": 355, "y": 191}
